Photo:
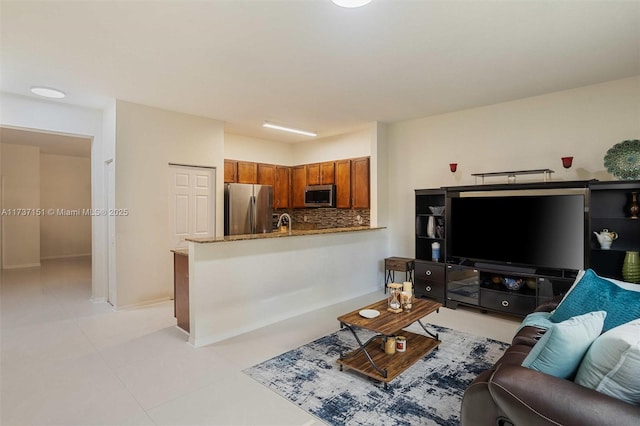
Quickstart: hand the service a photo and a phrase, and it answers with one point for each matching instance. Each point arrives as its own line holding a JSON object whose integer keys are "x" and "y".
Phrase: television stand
{"x": 509, "y": 290}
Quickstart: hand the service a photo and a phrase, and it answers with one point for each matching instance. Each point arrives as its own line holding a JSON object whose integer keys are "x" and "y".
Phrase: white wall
{"x": 530, "y": 133}
{"x": 28, "y": 113}
{"x": 65, "y": 183}
{"x": 238, "y": 286}
{"x": 21, "y": 173}
{"x": 347, "y": 145}
{"x": 247, "y": 148}
{"x": 147, "y": 140}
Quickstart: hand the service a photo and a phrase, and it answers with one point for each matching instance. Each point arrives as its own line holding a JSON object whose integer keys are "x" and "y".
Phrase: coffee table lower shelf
{"x": 417, "y": 346}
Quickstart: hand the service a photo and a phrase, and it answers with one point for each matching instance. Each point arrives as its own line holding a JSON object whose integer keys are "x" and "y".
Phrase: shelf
{"x": 511, "y": 175}
{"x": 529, "y": 293}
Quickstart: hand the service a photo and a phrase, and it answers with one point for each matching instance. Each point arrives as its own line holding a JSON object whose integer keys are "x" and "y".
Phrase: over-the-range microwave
{"x": 320, "y": 196}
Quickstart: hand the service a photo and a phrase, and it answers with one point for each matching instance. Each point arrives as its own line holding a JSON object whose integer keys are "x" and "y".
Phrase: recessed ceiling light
{"x": 351, "y": 3}
{"x": 48, "y": 92}
{"x": 289, "y": 129}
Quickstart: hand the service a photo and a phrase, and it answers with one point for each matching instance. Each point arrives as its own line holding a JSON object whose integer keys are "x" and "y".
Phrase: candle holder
{"x": 567, "y": 162}
{"x": 453, "y": 167}
{"x": 394, "y": 302}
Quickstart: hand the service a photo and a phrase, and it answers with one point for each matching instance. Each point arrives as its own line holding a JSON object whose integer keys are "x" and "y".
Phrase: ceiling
{"x": 310, "y": 64}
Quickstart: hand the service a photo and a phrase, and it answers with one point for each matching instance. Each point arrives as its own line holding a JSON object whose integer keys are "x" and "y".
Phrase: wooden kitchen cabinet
{"x": 298, "y": 184}
{"x": 181, "y": 290}
{"x": 343, "y": 184}
{"x": 360, "y": 183}
{"x": 266, "y": 174}
{"x": 230, "y": 171}
{"x": 352, "y": 183}
{"x": 282, "y": 187}
{"x": 321, "y": 173}
{"x": 351, "y": 177}
{"x": 247, "y": 172}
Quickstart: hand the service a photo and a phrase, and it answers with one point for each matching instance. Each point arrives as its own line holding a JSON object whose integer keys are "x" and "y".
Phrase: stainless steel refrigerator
{"x": 248, "y": 208}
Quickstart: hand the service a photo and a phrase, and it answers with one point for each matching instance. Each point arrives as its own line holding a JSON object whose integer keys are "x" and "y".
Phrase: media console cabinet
{"x": 454, "y": 281}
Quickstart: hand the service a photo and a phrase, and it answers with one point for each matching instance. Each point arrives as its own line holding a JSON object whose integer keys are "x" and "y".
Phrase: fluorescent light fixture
{"x": 48, "y": 92}
{"x": 288, "y": 129}
{"x": 351, "y": 3}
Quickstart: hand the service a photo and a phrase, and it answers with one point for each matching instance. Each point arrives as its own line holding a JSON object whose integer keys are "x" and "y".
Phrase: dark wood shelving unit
{"x": 606, "y": 207}
{"x": 429, "y": 276}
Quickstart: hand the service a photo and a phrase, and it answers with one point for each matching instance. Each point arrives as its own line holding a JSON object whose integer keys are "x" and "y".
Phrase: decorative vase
{"x": 631, "y": 267}
{"x": 634, "y": 208}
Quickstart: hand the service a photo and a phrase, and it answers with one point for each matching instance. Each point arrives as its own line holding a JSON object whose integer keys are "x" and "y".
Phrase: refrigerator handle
{"x": 252, "y": 214}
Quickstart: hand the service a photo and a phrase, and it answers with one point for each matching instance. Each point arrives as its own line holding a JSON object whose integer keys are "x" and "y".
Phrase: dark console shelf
{"x": 461, "y": 281}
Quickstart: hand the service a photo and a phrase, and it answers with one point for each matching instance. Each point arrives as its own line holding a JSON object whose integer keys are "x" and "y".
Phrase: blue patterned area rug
{"x": 428, "y": 393}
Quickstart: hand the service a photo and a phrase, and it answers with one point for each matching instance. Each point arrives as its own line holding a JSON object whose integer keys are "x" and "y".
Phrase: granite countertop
{"x": 181, "y": 251}
{"x": 294, "y": 233}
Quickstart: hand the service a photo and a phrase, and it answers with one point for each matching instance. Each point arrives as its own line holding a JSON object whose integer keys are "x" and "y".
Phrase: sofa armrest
{"x": 529, "y": 397}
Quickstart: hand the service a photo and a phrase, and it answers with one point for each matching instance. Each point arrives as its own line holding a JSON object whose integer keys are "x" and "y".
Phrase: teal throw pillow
{"x": 612, "y": 363}
{"x": 560, "y": 350}
{"x": 590, "y": 292}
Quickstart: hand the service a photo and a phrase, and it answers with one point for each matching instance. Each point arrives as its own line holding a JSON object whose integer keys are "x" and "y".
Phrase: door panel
{"x": 182, "y": 215}
{"x": 191, "y": 204}
{"x": 201, "y": 227}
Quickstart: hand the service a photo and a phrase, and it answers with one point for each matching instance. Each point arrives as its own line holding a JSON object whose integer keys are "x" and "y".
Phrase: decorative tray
{"x": 623, "y": 160}
{"x": 369, "y": 313}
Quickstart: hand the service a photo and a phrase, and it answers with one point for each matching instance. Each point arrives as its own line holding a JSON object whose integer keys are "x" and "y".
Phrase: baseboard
{"x": 66, "y": 256}
{"x": 142, "y": 304}
{"x": 24, "y": 265}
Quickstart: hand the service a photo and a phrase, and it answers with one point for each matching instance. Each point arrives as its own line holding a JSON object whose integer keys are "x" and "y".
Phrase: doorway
{"x": 46, "y": 178}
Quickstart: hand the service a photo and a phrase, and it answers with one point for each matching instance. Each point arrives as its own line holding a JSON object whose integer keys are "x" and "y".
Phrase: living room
{"x": 582, "y": 118}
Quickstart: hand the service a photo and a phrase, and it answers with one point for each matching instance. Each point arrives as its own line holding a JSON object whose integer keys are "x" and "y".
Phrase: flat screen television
{"x": 531, "y": 231}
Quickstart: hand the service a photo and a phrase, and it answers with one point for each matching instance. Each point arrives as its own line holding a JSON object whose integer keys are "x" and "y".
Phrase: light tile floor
{"x": 67, "y": 361}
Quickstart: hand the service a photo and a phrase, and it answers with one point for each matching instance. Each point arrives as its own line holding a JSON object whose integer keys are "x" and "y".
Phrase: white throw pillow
{"x": 612, "y": 363}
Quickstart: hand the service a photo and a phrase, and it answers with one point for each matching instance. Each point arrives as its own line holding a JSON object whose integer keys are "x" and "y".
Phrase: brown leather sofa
{"x": 508, "y": 394}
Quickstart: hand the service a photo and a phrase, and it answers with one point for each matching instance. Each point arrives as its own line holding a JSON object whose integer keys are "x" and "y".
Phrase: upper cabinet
{"x": 266, "y": 174}
{"x": 343, "y": 184}
{"x": 298, "y": 184}
{"x": 360, "y": 183}
{"x": 241, "y": 171}
{"x": 247, "y": 172}
{"x": 321, "y": 173}
{"x": 350, "y": 176}
{"x": 281, "y": 191}
{"x": 230, "y": 171}
{"x": 352, "y": 183}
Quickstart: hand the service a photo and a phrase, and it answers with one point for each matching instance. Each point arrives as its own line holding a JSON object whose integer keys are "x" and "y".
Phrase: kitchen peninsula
{"x": 240, "y": 283}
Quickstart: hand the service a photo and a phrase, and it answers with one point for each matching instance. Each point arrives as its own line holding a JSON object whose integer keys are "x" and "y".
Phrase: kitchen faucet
{"x": 284, "y": 215}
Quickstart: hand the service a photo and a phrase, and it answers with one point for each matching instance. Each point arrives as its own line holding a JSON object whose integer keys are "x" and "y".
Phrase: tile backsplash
{"x": 323, "y": 218}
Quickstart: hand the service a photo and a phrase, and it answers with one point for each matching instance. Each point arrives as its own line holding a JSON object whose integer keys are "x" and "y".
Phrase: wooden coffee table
{"x": 370, "y": 358}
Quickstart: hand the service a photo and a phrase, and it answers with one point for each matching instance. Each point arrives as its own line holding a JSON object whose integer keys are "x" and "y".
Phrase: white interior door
{"x": 191, "y": 203}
